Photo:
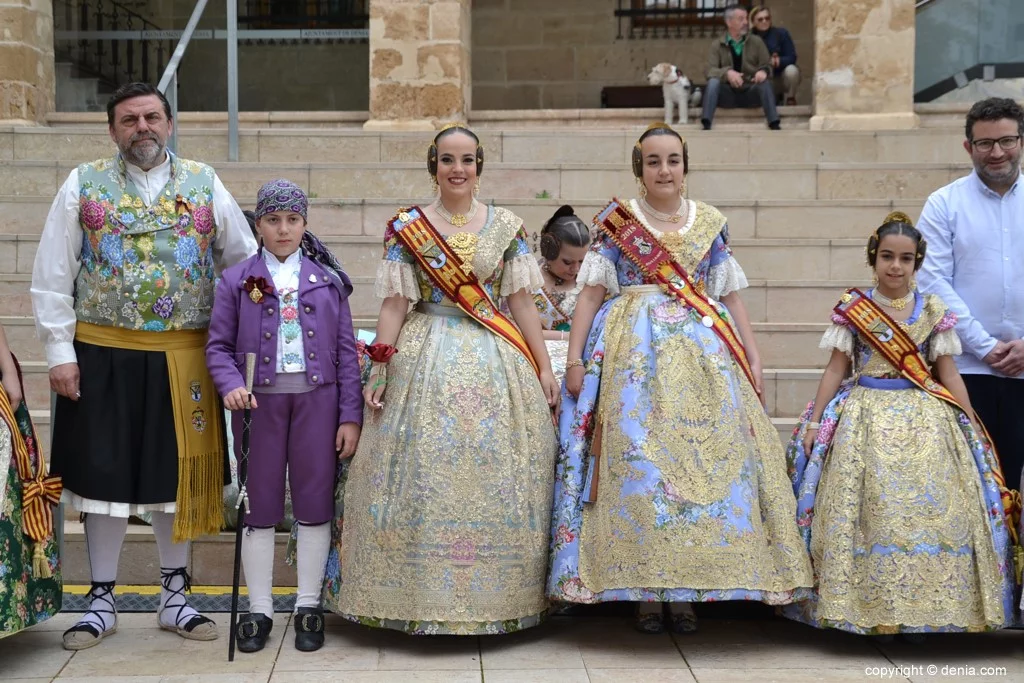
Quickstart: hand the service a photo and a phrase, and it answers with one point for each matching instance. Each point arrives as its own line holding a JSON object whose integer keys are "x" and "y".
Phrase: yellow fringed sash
{"x": 197, "y": 423}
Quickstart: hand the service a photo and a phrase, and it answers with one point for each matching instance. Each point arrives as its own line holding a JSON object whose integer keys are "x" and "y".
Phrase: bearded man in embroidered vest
{"x": 122, "y": 289}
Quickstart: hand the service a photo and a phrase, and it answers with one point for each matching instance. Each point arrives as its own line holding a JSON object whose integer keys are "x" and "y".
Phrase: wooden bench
{"x": 635, "y": 96}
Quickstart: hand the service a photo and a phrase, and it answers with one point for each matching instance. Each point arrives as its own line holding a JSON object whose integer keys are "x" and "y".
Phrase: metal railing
{"x": 109, "y": 57}
{"x": 169, "y": 80}
{"x": 645, "y": 19}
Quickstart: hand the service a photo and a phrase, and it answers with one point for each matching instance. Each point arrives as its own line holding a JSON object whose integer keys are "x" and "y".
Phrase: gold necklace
{"x": 897, "y": 304}
{"x": 457, "y": 219}
{"x": 661, "y": 215}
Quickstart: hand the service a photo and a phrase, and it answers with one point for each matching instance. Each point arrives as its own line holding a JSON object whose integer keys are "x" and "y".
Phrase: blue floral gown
{"x": 694, "y": 503}
{"x": 448, "y": 498}
{"x": 897, "y": 501}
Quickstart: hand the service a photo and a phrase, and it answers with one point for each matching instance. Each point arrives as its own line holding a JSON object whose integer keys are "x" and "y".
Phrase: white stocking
{"x": 314, "y": 543}
{"x": 258, "y": 561}
{"x": 103, "y": 538}
{"x": 174, "y": 609}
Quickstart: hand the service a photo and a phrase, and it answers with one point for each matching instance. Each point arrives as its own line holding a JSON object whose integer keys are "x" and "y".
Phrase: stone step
{"x": 787, "y": 350}
{"x": 714, "y": 183}
{"x": 787, "y": 391}
{"x": 769, "y": 218}
{"x": 809, "y": 258}
{"x": 782, "y": 344}
{"x": 211, "y": 560}
{"x": 549, "y": 145}
{"x": 930, "y": 115}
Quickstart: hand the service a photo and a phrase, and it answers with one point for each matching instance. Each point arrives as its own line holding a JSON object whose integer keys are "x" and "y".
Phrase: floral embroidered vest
{"x": 146, "y": 268}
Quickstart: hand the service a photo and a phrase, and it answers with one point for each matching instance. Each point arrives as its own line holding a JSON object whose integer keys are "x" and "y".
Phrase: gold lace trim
{"x": 900, "y": 474}
{"x": 444, "y": 521}
{"x": 688, "y": 248}
{"x": 702, "y": 448}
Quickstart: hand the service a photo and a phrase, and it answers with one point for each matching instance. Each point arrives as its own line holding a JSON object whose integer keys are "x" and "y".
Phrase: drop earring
{"x": 682, "y": 188}
{"x": 913, "y": 283}
{"x": 433, "y": 184}
{"x": 641, "y": 188}
{"x": 476, "y": 188}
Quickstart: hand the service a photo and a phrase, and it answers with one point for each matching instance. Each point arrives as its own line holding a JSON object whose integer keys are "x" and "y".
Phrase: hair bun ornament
{"x": 898, "y": 217}
{"x": 562, "y": 211}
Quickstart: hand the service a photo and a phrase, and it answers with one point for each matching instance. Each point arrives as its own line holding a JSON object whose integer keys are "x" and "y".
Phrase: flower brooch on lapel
{"x": 257, "y": 287}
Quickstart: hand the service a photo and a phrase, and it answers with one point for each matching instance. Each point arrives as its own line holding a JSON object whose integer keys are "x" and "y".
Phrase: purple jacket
{"x": 239, "y": 326}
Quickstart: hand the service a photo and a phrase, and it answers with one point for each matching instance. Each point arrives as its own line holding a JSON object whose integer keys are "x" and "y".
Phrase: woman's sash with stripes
{"x": 40, "y": 491}
{"x": 658, "y": 266}
{"x": 455, "y": 278}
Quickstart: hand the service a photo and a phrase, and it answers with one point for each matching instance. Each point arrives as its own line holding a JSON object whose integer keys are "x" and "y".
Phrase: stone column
{"x": 419, "y": 63}
{"x": 864, "y": 57}
{"x": 26, "y": 61}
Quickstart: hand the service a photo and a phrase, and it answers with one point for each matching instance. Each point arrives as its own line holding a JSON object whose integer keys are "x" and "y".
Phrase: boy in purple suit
{"x": 288, "y": 305}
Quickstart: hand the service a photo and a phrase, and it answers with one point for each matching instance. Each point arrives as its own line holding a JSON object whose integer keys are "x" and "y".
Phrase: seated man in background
{"x": 739, "y": 71}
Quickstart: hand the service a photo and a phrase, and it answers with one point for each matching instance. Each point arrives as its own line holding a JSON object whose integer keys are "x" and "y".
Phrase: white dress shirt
{"x": 975, "y": 262}
{"x": 59, "y": 257}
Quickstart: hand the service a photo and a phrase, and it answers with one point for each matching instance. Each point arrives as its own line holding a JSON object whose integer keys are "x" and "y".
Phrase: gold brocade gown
{"x": 693, "y": 503}
{"x": 898, "y": 500}
{"x": 448, "y": 498}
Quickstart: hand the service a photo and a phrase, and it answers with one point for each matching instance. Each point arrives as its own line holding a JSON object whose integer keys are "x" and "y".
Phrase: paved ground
{"x": 598, "y": 649}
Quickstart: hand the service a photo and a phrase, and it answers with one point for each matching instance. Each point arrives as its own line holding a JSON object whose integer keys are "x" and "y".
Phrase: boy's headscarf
{"x": 284, "y": 195}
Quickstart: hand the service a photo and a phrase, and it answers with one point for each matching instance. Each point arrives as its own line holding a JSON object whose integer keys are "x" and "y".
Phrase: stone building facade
{"x": 431, "y": 61}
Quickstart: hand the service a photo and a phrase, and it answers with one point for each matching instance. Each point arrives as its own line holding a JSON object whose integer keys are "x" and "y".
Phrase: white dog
{"x": 675, "y": 88}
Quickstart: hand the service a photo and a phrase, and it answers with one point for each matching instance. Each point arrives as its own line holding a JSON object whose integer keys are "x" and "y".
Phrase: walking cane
{"x": 243, "y": 498}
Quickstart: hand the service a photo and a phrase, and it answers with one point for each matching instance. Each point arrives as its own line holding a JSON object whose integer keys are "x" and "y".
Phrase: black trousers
{"x": 999, "y": 401}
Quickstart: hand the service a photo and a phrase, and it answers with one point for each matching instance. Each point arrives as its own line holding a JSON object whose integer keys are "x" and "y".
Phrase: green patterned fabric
{"x": 25, "y": 600}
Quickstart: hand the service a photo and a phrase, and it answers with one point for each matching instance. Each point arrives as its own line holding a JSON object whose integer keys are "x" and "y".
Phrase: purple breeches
{"x": 297, "y": 432}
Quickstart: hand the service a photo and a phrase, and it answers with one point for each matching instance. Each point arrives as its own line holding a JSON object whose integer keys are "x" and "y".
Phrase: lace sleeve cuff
{"x": 945, "y": 343}
{"x": 600, "y": 271}
{"x": 396, "y": 278}
{"x": 838, "y": 337}
{"x": 520, "y": 273}
{"x": 725, "y": 278}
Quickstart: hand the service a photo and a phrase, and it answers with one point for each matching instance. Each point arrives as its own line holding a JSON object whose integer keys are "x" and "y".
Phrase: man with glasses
{"x": 975, "y": 262}
{"x": 785, "y": 72}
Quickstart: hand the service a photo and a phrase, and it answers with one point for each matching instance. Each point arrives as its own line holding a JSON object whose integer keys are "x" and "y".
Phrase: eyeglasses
{"x": 988, "y": 144}
{"x": 760, "y": 19}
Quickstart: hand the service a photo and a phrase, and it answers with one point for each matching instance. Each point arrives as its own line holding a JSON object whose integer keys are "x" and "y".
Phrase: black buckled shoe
{"x": 309, "y": 629}
{"x": 252, "y": 632}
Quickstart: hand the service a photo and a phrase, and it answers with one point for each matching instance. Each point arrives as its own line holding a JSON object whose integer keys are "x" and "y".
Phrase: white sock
{"x": 103, "y": 538}
{"x": 174, "y": 608}
{"x": 258, "y": 561}
{"x": 314, "y": 543}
